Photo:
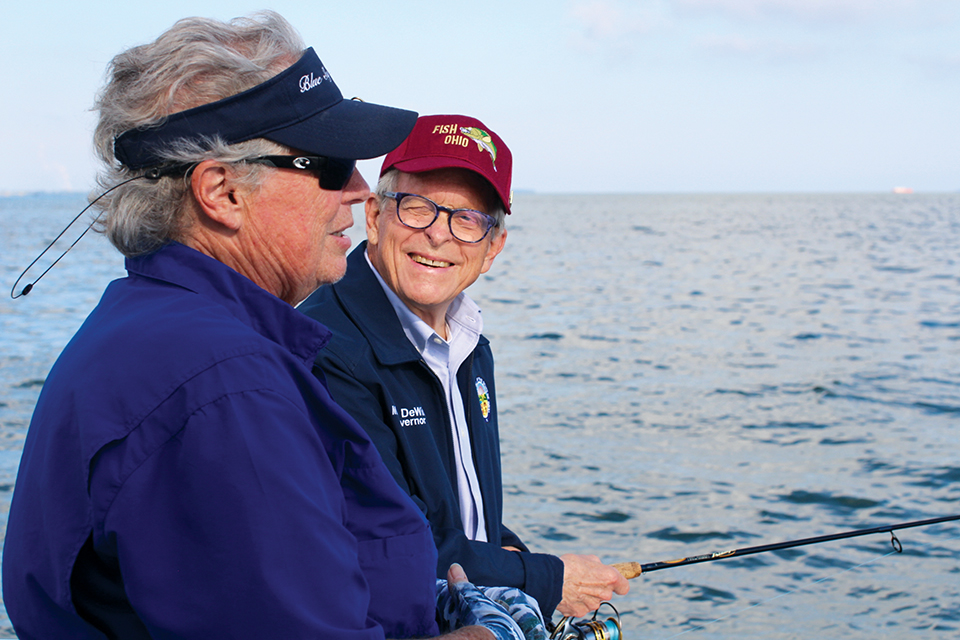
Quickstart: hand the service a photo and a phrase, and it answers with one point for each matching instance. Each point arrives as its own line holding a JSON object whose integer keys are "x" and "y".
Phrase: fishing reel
{"x": 592, "y": 629}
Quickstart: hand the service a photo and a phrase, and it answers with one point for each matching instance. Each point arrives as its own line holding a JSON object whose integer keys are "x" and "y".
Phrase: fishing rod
{"x": 631, "y": 570}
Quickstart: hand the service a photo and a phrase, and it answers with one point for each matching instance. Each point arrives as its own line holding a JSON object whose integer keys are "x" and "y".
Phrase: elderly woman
{"x": 185, "y": 474}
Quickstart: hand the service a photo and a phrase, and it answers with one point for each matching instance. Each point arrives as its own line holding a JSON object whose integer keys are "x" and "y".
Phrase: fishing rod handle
{"x": 629, "y": 570}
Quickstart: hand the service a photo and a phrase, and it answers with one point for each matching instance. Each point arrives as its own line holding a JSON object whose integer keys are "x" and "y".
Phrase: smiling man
{"x": 409, "y": 362}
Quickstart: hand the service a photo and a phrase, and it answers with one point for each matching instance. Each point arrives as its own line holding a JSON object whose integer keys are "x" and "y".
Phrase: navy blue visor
{"x": 301, "y": 107}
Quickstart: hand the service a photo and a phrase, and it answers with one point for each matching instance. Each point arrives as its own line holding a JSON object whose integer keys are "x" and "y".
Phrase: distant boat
{"x": 903, "y": 190}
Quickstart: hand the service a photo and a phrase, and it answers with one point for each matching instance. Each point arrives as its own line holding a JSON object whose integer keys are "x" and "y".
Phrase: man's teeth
{"x": 431, "y": 263}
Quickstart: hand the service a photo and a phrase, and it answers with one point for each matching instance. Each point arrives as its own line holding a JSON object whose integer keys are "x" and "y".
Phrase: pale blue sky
{"x": 591, "y": 96}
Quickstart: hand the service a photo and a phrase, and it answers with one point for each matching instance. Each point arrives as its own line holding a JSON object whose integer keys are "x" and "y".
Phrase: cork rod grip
{"x": 628, "y": 570}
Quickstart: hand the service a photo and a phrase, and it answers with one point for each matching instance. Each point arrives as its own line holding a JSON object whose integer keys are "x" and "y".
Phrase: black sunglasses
{"x": 333, "y": 173}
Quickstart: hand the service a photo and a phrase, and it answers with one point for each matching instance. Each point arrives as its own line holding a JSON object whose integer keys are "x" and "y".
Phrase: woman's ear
{"x": 216, "y": 194}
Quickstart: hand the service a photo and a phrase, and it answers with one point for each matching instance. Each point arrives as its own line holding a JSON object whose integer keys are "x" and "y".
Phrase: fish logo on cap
{"x": 484, "y": 142}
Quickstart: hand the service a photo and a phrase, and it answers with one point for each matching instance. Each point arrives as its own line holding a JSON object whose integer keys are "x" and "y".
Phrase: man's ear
{"x": 496, "y": 246}
{"x": 372, "y": 210}
{"x": 216, "y": 195}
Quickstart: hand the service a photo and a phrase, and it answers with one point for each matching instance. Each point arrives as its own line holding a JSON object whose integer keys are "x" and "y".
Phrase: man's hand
{"x": 587, "y": 583}
{"x": 456, "y": 575}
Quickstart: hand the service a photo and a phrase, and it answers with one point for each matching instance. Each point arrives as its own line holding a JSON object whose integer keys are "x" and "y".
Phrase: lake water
{"x": 677, "y": 375}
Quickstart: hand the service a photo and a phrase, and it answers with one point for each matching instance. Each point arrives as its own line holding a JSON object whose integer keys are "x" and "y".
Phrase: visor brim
{"x": 350, "y": 129}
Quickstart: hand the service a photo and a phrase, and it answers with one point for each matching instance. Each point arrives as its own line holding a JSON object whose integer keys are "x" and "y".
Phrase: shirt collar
{"x": 463, "y": 316}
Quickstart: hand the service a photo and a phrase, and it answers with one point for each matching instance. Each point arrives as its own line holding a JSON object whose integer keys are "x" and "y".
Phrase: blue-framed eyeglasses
{"x": 417, "y": 212}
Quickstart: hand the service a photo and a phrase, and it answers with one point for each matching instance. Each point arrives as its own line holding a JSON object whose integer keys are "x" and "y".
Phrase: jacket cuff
{"x": 510, "y": 539}
{"x": 543, "y": 580}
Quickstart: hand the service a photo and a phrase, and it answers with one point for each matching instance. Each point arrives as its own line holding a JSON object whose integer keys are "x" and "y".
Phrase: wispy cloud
{"x": 835, "y": 11}
{"x": 763, "y": 49}
{"x": 939, "y": 65}
{"x": 611, "y": 26}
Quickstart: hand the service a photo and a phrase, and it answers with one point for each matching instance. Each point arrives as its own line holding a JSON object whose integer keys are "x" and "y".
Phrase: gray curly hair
{"x": 195, "y": 62}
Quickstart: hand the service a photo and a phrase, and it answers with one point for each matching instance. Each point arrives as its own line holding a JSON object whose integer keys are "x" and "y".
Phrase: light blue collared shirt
{"x": 464, "y": 325}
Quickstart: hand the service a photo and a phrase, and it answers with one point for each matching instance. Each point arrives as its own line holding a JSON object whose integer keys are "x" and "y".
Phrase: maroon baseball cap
{"x": 445, "y": 141}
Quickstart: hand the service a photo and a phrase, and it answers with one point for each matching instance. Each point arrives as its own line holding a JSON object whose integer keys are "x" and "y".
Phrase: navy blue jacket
{"x": 379, "y": 377}
{"x": 185, "y": 475}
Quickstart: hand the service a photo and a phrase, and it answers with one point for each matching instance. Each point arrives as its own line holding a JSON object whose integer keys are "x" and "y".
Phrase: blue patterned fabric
{"x": 508, "y": 613}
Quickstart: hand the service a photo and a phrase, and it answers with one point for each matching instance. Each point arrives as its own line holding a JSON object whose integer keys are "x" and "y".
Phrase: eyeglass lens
{"x": 335, "y": 173}
{"x": 466, "y": 225}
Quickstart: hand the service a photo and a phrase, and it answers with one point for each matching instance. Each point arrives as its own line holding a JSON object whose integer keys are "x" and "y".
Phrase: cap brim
{"x": 350, "y": 129}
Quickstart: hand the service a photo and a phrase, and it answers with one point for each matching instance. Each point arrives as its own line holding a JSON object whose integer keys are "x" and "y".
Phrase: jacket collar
{"x": 262, "y": 311}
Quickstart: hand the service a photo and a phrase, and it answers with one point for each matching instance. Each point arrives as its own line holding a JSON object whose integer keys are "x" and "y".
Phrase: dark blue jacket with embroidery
{"x": 379, "y": 377}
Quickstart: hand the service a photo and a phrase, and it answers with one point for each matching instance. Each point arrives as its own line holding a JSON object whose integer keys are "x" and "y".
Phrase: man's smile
{"x": 428, "y": 262}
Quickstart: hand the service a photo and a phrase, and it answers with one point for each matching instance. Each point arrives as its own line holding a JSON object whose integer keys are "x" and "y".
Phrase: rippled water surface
{"x": 679, "y": 375}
